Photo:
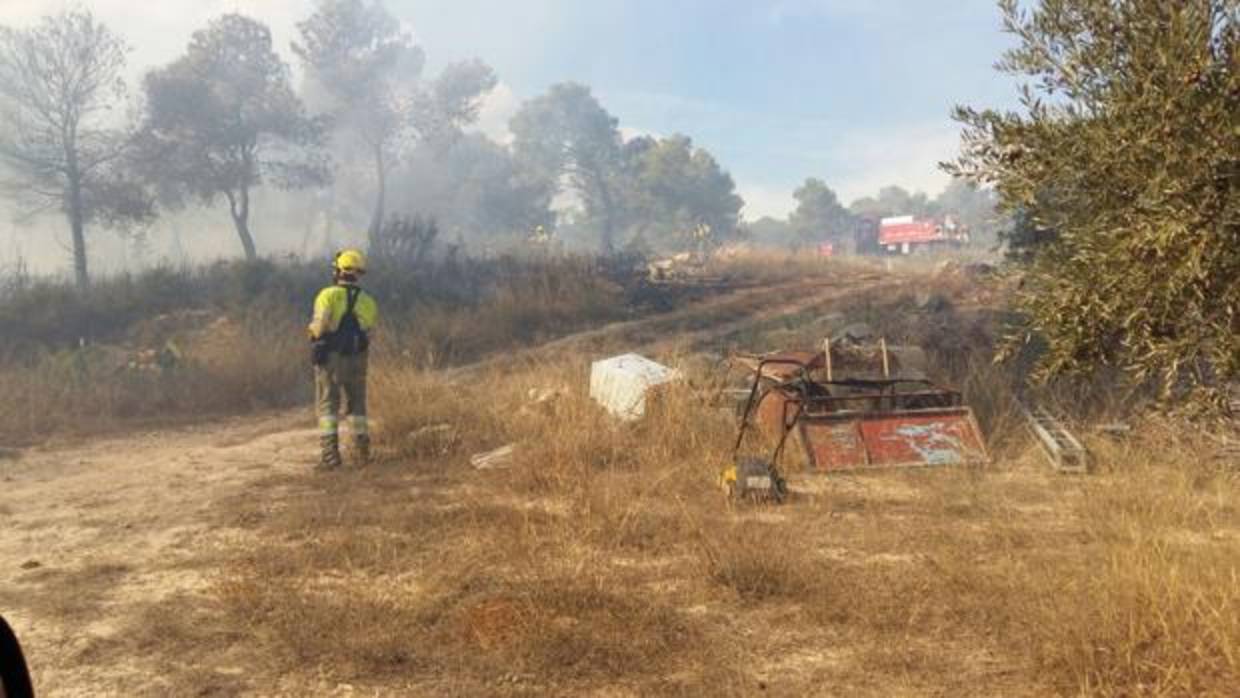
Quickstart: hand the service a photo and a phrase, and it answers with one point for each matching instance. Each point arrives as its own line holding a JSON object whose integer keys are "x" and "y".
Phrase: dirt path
{"x": 93, "y": 535}
{"x": 715, "y": 317}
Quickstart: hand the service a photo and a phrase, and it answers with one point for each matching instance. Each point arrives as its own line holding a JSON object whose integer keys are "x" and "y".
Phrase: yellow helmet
{"x": 350, "y": 261}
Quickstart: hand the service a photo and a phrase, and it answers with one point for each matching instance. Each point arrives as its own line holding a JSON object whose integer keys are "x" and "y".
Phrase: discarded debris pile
{"x": 854, "y": 405}
{"x": 845, "y": 418}
{"x": 755, "y": 480}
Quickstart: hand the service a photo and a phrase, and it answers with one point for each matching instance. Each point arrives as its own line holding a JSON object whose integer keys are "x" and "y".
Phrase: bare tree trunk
{"x": 80, "y": 274}
{"x": 77, "y": 225}
{"x": 73, "y": 206}
{"x": 239, "y": 207}
{"x": 376, "y": 219}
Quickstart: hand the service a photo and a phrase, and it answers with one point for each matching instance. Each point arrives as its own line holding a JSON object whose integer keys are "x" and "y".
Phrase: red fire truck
{"x": 906, "y": 234}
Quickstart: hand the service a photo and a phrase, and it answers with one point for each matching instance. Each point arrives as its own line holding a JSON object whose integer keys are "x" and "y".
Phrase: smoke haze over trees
{"x": 370, "y": 74}
{"x": 819, "y": 215}
{"x": 224, "y": 119}
{"x": 58, "y": 82}
{"x": 311, "y": 141}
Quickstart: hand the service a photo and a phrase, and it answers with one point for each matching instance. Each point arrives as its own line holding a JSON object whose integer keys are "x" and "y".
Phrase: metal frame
{"x": 879, "y": 398}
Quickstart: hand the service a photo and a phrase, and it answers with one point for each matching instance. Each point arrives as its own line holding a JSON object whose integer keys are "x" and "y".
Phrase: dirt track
{"x": 96, "y": 534}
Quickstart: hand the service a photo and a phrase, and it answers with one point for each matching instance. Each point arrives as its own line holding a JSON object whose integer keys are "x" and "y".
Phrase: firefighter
{"x": 344, "y": 316}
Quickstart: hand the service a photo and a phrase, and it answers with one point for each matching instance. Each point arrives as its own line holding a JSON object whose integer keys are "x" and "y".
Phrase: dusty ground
{"x": 95, "y": 534}
{"x": 97, "y": 538}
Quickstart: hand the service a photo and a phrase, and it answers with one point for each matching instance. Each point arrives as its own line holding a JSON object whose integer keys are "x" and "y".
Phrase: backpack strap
{"x": 356, "y": 342}
{"x": 352, "y": 293}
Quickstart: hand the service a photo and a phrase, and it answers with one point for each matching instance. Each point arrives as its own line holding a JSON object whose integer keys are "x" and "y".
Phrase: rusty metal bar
{"x": 788, "y": 426}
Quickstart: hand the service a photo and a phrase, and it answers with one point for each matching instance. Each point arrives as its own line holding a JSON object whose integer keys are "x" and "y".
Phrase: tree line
{"x": 367, "y": 133}
{"x": 820, "y": 216}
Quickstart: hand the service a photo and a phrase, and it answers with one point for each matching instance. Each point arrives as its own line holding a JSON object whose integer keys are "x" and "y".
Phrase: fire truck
{"x": 907, "y": 235}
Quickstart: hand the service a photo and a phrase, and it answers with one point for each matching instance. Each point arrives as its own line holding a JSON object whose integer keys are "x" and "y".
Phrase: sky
{"x": 855, "y": 93}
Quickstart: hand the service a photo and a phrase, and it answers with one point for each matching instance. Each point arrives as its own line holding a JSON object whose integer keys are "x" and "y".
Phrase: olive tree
{"x": 1127, "y": 152}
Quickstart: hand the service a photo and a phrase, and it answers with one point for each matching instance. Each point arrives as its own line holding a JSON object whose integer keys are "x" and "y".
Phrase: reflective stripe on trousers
{"x": 340, "y": 386}
{"x": 330, "y": 426}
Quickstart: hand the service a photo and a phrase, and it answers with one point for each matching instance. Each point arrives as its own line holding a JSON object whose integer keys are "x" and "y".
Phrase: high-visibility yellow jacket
{"x": 329, "y": 307}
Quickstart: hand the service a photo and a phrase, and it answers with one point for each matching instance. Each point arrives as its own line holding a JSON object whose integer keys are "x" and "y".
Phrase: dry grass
{"x": 93, "y": 363}
{"x": 93, "y": 390}
{"x": 605, "y": 561}
{"x": 79, "y": 592}
{"x": 1157, "y": 607}
{"x": 605, "y": 558}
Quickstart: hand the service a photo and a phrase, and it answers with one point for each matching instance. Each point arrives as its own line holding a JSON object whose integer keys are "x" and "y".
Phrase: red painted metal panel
{"x": 897, "y": 439}
{"x": 938, "y": 438}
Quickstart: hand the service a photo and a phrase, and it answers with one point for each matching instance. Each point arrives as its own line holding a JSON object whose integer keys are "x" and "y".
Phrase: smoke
{"x": 159, "y": 31}
{"x": 776, "y": 92}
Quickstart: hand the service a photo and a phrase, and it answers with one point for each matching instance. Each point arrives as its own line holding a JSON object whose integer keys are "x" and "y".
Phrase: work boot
{"x": 361, "y": 443}
{"x": 329, "y": 449}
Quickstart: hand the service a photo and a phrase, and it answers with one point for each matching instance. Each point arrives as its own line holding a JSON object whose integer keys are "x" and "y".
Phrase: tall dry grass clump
{"x": 531, "y": 576}
{"x": 93, "y": 389}
{"x": 1155, "y": 607}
